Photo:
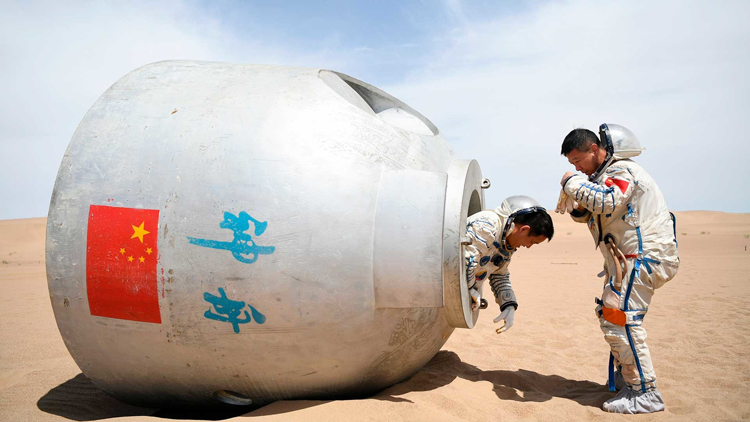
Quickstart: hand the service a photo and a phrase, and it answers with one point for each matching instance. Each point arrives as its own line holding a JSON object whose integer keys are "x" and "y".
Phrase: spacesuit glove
{"x": 507, "y": 317}
{"x": 565, "y": 204}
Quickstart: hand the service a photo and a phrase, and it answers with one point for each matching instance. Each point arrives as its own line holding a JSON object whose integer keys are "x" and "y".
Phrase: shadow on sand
{"x": 522, "y": 385}
{"x": 80, "y": 400}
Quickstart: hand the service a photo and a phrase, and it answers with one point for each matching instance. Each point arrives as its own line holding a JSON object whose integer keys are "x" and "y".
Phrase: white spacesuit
{"x": 635, "y": 232}
{"x": 488, "y": 255}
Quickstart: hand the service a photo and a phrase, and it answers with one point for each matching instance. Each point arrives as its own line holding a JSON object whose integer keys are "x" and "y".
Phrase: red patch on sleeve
{"x": 622, "y": 184}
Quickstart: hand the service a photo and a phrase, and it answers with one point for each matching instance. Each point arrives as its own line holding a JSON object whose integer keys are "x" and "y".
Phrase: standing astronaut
{"x": 493, "y": 238}
{"x": 635, "y": 232}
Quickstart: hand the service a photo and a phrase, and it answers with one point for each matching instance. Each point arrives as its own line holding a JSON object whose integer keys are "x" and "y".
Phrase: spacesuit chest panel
{"x": 625, "y": 216}
{"x": 496, "y": 258}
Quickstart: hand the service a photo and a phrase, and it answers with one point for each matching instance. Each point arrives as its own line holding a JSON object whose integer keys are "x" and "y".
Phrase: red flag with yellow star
{"x": 121, "y": 258}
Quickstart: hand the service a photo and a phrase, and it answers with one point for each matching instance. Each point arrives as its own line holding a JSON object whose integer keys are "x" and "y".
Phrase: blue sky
{"x": 504, "y": 81}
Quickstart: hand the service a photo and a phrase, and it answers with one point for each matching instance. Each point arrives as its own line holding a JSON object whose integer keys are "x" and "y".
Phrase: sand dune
{"x": 551, "y": 365}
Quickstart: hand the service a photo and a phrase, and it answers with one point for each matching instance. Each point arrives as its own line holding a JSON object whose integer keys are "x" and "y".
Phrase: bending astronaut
{"x": 635, "y": 232}
{"x": 494, "y": 237}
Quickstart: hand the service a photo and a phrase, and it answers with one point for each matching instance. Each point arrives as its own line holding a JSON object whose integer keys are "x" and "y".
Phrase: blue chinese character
{"x": 232, "y": 310}
{"x": 228, "y": 307}
{"x": 243, "y": 248}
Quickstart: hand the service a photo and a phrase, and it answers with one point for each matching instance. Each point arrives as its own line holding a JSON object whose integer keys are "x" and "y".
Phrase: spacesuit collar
{"x": 504, "y": 212}
{"x": 509, "y": 226}
{"x": 607, "y": 162}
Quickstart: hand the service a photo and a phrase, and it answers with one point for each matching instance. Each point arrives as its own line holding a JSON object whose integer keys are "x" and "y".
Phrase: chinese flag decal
{"x": 121, "y": 257}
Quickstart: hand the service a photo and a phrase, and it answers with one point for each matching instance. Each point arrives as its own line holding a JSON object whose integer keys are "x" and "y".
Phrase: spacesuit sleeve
{"x": 605, "y": 196}
{"x": 481, "y": 233}
{"x": 501, "y": 288}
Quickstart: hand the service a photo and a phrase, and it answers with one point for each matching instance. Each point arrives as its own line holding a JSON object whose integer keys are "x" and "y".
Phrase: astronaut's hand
{"x": 507, "y": 317}
{"x": 565, "y": 203}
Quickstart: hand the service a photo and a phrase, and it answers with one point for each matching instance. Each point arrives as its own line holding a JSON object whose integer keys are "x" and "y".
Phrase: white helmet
{"x": 512, "y": 207}
{"x": 619, "y": 142}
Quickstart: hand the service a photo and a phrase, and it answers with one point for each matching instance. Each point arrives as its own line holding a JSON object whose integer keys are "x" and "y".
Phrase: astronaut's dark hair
{"x": 580, "y": 139}
{"x": 539, "y": 222}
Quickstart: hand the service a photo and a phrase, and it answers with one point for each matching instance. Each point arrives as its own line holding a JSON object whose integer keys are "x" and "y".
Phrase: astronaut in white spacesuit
{"x": 493, "y": 238}
{"x": 635, "y": 232}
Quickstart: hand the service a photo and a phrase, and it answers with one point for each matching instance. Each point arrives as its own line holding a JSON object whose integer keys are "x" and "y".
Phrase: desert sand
{"x": 550, "y": 366}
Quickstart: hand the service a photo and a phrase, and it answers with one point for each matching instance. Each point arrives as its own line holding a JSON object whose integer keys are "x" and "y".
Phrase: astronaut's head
{"x": 584, "y": 150}
{"x": 529, "y": 229}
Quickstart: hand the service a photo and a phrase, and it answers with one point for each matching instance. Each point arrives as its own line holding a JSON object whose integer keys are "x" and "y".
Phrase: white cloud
{"x": 507, "y": 91}
{"x": 504, "y": 90}
{"x": 55, "y": 61}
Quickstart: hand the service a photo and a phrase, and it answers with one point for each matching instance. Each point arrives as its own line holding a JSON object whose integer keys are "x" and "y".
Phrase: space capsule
{"x": 227, "y": 233}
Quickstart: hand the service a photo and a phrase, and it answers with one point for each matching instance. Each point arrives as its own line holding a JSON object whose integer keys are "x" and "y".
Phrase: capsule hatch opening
{"x": 464, "y": 197}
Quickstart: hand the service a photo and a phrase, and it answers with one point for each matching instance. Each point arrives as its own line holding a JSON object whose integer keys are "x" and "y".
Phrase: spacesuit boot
{"x": 629, "y": 401}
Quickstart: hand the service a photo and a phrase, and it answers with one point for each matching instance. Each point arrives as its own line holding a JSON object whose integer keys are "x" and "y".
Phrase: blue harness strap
{"x": 611, "y": 380}
{"x": 633, "y": 274}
